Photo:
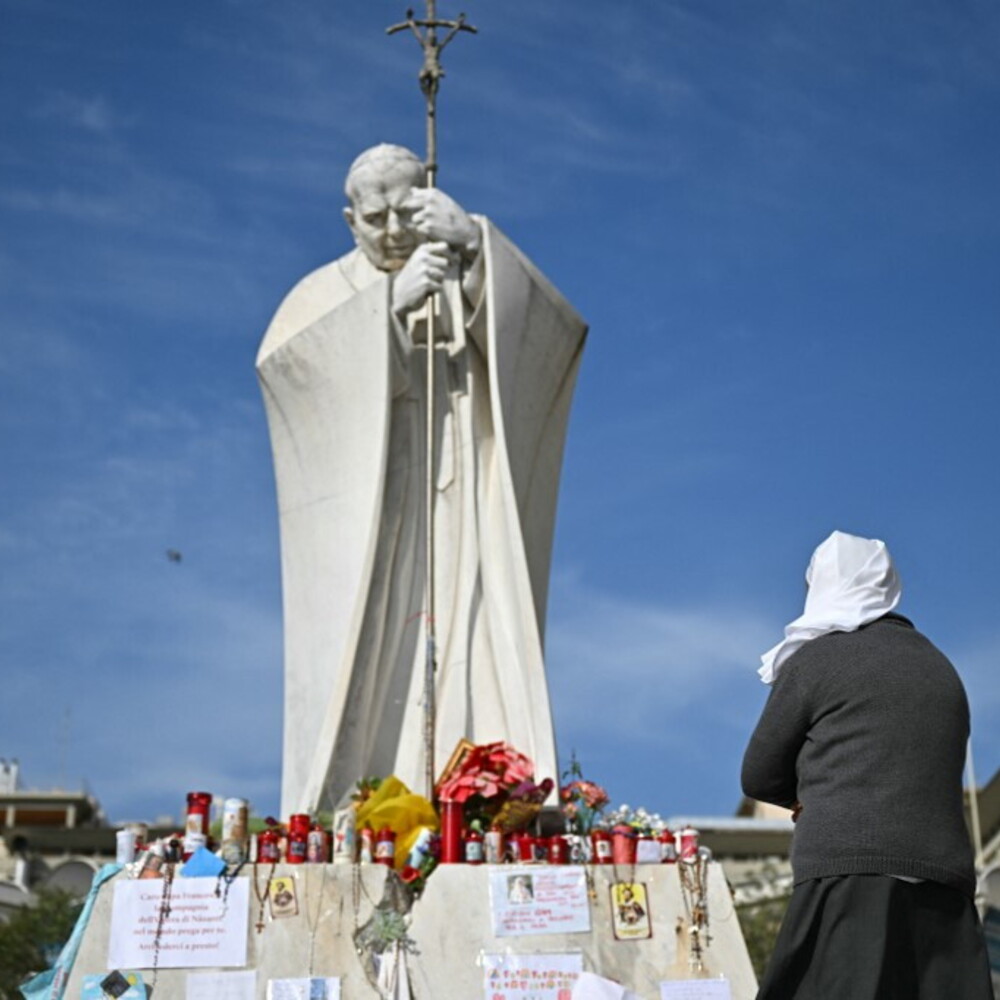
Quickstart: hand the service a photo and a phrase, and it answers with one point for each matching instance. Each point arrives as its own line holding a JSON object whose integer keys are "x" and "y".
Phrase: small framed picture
{"x": 281, "y": 894}
{"x": 458, "y": 756}
{"x": 630, "y": 911}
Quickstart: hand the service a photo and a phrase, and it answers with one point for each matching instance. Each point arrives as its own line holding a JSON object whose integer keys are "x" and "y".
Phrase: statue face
{"x": 380, "y": 216}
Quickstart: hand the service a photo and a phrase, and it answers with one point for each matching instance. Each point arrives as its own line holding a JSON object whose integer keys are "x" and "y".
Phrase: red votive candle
{"x": 623, "y": 840}
{"x": 558, "y": 851}
{"x": 298, "y": 838}
{"x": 601, "y": 844}
{"x": 451, "y": 832}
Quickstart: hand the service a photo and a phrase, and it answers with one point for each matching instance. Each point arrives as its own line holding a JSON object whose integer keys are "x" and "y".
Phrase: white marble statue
{"x": 342, "y": 367}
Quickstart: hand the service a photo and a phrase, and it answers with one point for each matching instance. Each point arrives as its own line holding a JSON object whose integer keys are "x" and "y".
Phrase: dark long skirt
{"x": 872, "y": 937}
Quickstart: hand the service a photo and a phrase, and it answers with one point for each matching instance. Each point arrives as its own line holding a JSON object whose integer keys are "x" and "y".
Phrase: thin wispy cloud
{"x": 91, "y": 114}
{"x": 215, "y": 673}
{"x": 76, "y": 205}
{"x": 666, "y": 658}
{"x": 629, "y": 676}
{"x": 178, "y": 632}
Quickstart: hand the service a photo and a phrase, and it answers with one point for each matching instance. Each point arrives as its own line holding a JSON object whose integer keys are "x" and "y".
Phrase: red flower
{"x": 489, "y": 770}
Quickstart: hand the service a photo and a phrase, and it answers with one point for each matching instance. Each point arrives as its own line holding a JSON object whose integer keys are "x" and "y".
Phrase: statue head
{"x": 378, "y": 189}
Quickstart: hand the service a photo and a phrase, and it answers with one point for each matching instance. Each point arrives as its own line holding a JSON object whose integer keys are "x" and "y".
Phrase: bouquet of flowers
{"x": 496, "y": 784}
{"x": 640, "y": 821}
{"x": 583, "y": 801}
{"x": 522, "y": 805}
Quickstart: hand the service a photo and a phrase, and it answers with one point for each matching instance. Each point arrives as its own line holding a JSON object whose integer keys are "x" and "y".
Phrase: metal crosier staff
{"x": 426, "y": 33}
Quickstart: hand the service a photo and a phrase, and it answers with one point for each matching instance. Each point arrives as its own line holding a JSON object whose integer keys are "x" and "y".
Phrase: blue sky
{"x": 781, "y": 220}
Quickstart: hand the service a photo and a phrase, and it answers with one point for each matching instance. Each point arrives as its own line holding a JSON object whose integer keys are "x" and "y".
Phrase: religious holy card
{"x": 630, "y": 911}
{"x": 281, "y": 894}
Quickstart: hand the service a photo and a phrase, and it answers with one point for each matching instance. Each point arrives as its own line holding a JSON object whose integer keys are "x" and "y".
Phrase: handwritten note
{"x": 531, "y": 977}
{"x": 221, "y": 986}
{"x": 200, "y": 931}
{"x": 539, "y": 900}
{"x": 695, "y": 989}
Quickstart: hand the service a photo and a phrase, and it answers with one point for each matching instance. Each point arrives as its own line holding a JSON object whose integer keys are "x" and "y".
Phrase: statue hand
{"x": 420, "y": 275}
{"x": 436, "y": 216}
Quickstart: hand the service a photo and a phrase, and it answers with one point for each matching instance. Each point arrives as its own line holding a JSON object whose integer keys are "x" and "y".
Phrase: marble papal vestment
{"x": 344, "y": 387}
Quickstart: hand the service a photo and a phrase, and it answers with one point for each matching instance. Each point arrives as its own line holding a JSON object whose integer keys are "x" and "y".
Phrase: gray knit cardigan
{"x": 868, "y": 731}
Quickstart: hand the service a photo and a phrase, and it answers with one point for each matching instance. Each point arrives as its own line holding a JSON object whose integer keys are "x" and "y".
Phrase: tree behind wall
{"x": 760, "y": 922}
{"x": 31, "y": 940}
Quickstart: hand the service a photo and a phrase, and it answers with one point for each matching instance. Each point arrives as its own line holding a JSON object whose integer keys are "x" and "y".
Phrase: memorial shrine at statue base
{"x": 469, "y": 935}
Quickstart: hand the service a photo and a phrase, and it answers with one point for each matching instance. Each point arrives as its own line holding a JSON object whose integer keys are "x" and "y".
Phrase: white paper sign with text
{"x": 531, "y": 977}
{"x": 542, "y": 899}
{"x": 200, "y": 931}
{"x": 221, "y": 986}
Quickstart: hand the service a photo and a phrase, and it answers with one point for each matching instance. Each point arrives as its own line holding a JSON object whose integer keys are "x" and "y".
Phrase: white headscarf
{"x": 852, "y": 581}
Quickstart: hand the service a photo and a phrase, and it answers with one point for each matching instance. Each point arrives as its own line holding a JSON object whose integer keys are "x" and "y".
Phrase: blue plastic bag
{"x": 51, "y": 984}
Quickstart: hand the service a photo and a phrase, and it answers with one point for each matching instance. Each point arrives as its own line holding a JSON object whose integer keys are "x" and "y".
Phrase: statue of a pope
{"x": 342, "y": 369}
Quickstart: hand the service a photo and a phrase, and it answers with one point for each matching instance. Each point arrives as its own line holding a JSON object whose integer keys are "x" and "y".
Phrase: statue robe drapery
{"x": 344, "y": 386}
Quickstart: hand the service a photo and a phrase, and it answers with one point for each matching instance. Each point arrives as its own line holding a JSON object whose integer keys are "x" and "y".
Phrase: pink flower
{"x": 489, "y": 770}
{"x": 590, "y": 794}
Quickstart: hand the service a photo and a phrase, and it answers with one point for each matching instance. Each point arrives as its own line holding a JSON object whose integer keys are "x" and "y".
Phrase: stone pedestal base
{"x": 450, "y": 928}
